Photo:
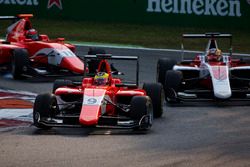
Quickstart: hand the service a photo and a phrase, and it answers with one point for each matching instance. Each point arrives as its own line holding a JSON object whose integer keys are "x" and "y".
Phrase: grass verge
{"x": 153, "y": 36}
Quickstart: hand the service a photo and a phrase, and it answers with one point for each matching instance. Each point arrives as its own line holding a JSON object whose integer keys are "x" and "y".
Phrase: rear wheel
{"x": 163, "y": 65}
{"x": 60, "y": 83}
{"x": 156, "y": 93}
{"x": 19, "y": 63}
{"x": 45, "y": 107}
{"x": 141, "y": 110}
{"x": 172, "y": 85}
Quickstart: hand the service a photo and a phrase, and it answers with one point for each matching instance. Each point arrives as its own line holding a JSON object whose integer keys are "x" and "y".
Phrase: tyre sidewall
{"x": 45, "y": 106}
{"x": 156, "y": 93}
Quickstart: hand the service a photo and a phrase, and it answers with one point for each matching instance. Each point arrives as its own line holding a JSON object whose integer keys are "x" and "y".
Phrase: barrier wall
{"x": 223, "y": 13}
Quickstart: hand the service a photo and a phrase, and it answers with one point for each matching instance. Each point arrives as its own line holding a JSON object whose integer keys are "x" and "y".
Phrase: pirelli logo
{"x": 196, "y": 7}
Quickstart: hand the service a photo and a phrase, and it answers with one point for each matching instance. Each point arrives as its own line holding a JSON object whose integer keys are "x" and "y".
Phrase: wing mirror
{"x": 115, "y": 71}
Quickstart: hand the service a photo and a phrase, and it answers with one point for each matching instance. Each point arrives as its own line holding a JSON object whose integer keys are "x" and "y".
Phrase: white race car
{"x": 210, "y": 75}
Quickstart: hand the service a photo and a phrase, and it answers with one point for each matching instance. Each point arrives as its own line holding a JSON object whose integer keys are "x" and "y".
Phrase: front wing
{"x": 119, "y": 122}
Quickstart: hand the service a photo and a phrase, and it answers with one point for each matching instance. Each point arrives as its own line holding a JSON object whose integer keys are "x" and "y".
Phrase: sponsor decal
{"x": 51, "y": 3}
{"x": 197, "y": 7}
{"x": 15, "y": 108}
{"x": 57, "y": 3}
{"x": 20, "y": 2}
{"x": 90, "y": 100}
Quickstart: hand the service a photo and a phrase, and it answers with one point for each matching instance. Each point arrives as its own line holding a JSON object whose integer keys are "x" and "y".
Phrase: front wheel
{"x": 19, "y": 63}
{"x": 60, "y": 83}
{"x": 141, "y": 111}
{"x": 156, "y": 93}
{"x": 45, "y": 107}
{"x": 163, "y": 65}
{"x": 172, "y": 85}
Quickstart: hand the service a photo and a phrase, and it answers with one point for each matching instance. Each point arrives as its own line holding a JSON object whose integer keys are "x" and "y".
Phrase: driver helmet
{"x": 218, "y": 53}
{"x": 32, "y": 34}
{"x": 215, "y": 53}
{"x": 212, "y": 51}
{"x": 101, "y": 78}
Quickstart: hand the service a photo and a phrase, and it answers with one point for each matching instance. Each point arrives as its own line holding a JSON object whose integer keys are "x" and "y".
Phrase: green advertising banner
{"x": 223, "y": 13}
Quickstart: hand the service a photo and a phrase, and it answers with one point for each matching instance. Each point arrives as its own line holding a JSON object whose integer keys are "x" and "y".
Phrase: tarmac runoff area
{"x": 200, "y": 134}
{"x": 16, "y": 106}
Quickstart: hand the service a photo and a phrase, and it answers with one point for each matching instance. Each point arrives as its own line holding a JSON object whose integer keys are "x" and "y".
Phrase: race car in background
{"x": 101, "y": 100}
{"x": 26, "y": 52}
{"x": 210, "y": 75}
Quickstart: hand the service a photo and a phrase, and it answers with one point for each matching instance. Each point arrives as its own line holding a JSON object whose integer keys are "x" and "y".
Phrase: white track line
{"x": 148, "y": 49}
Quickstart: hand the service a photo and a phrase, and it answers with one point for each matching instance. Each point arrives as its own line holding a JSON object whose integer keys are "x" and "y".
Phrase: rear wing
{"x": 8, "y": 18}
{"x": 19, "y": 16}
{"x": 111, "y": 57}
{"x": 209, "y": 35}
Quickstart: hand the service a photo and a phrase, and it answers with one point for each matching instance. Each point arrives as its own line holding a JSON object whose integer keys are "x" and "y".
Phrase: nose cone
{"x": 90, "y": 115}
{"x": 92, "y": 106}
{"x": 73, "y": 64}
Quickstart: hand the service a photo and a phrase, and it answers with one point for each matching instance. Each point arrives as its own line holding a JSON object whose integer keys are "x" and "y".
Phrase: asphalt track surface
{"x": 197, "y": 134}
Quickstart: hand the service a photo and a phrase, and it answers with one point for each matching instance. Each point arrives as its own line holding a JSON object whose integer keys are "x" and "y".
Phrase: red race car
{"x": 100, "y": 100}
{"x": 28, "y": 53}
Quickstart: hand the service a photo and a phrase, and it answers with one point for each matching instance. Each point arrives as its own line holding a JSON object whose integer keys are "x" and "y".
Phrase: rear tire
{"x": 19, "y": 63}
{"x": 163, "y": 65}
{"x": 45, "y": 106}
{"x": 60, "y": 83}
{"x": 156, "y": 93}
{"x": 172, "y": 85}
{"x": 141, "y": 106}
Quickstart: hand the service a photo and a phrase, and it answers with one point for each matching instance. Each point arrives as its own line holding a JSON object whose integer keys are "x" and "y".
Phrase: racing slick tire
{"x": 141, "y": 110}
{"x": 93, "y": 64}
{"x": 173, "y": 81}
{"x": 60, "y": 83}
{"x": 19, "y": 63}
{"x": 156, "y": 93}
{"x": 45, "y": 106}
{"x": 163, "y": 65}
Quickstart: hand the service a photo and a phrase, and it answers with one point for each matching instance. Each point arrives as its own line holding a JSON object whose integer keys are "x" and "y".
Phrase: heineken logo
{"x": 196, "y": 7}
